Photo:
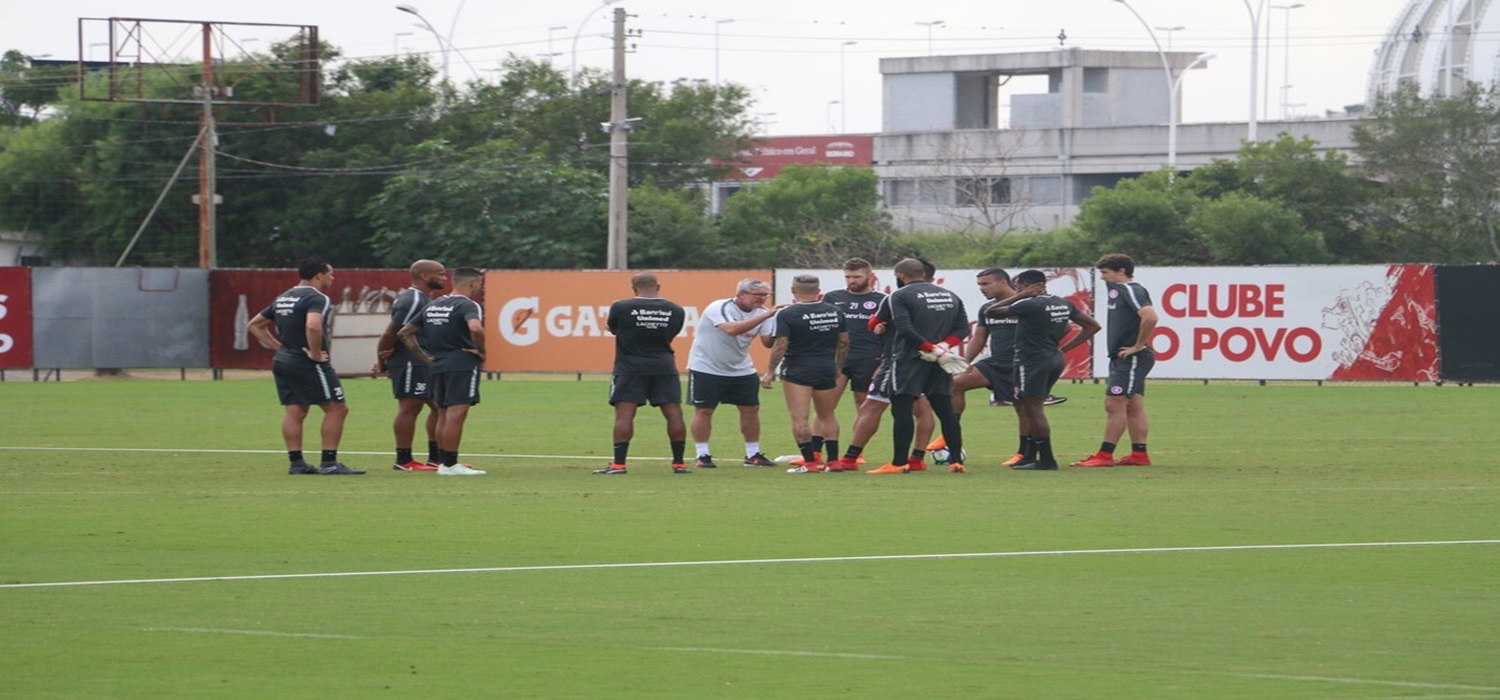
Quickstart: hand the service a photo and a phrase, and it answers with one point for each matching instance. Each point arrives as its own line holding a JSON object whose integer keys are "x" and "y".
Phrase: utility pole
{"x": 619, "y": 155}
{"x": 208, "y": 246}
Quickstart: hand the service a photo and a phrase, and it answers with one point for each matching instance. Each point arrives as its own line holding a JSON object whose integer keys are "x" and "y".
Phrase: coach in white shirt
{"x": 720, "y": 369}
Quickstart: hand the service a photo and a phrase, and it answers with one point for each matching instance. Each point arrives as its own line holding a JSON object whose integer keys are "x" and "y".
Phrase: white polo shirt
{"x": 717, "y": 352}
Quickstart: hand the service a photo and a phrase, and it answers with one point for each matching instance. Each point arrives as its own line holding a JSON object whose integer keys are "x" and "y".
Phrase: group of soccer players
{"x": 442, "y": 370}
{"x": 910, "y": 352}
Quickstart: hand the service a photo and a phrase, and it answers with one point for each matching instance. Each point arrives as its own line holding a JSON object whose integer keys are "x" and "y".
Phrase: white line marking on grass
{"x": 731, "y": 562}
{"x": 774, "y": 652}
{"x": 1367, "y": 681}
{"x": 256, "y": 633}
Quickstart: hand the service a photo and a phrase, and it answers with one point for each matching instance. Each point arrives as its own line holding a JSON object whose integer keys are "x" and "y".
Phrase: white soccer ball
{"x": 941, "y": 455}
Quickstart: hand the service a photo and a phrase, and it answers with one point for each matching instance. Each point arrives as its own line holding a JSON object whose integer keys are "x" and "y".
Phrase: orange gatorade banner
{"x": 553, "y": 320}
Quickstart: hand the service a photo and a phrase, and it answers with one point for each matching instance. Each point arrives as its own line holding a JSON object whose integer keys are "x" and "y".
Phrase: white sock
{"x": 702, "y": 448}
{"x": 752, "y": 448}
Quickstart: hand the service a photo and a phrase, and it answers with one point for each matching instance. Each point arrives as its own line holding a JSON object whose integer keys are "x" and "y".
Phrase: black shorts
{"x": 408, "y": 379}
{"x": 819, "y": 378}
{"x": 459, "y": 387}
{"x": 1127, "y": 377}
{"x": 640, "y": 389}
{"x": 917, "y": 377}
{"x": 1001, "y": 377}
{"x": 709, "y": 390}
{"x": 306, "y": 383}
{"x": 861, "y": 372}
{"x": 1036, "y": 376}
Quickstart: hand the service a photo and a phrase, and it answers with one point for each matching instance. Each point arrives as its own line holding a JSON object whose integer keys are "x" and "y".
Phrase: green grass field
{"x": 751, "y": 582}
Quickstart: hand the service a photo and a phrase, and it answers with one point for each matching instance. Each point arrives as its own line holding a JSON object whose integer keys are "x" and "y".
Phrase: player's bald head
{"x": 645, "y": 282}
{"x": 422, "y": 267}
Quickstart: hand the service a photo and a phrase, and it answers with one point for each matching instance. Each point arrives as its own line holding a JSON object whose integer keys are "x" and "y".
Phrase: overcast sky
{"x": 794, "y": 55}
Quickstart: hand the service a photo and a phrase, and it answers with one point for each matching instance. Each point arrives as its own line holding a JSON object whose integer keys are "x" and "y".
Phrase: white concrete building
{"x": 948, "y": 162}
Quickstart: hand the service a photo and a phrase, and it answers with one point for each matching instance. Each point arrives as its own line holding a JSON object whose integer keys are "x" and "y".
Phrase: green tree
{"x": 1245, "y": 230}
{"x": 1146, "y": 216}
{"x": 669, "y": 229}
{"x": 1331, "y": 201}
{"x": 809, "y": 217}
{"x": 1439, "y": 159}
{"x": 497, "y": 206}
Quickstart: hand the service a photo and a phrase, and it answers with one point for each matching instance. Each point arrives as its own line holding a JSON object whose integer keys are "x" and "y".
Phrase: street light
{"x": 1286, "y": 55}
{"x": 1167, "y": 69}
{"x": 396, "y": 41}
{"x": 573, "y": 64}
{"x": 718, "y": 23}
{"x": 442, "y": 45}
{"x": 1169, "y": 30}
{"x": 762, "y": 122}
{"x": 843, "y": 99}
{"x": 1176, "y": 102}
{"x": 1255, "y": 14}
{"x": 831, "y": 127}
{"x": 929, "y": 26}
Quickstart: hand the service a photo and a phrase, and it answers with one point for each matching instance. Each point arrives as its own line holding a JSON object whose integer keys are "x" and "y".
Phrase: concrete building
{"x": 947, "y": 159}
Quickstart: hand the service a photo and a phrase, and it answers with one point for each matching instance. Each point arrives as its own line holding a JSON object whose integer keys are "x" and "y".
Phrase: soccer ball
{"x": 941, "y": 455}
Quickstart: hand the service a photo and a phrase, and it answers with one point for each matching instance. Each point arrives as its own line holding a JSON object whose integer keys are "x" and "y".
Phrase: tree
{"x": 1146, "y": 216}
{"x": 1245, "y": 230}
{"x": 669, "y": 229}
{"x": 809, "y": 216}
{"x": 1331, "y": 201}
{"x": 1439, "y": 159}
{"x": 26, "y": 90}
{"x": 497, "y": 206}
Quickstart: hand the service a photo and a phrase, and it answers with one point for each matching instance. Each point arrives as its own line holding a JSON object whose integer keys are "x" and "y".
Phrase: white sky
{"x": 793, "y": 54}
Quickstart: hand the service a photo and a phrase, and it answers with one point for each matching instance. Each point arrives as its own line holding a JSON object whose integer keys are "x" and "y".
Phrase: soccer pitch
{"x": 1293, "y": 541}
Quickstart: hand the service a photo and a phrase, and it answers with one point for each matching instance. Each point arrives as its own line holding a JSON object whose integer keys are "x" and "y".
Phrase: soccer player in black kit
{"x": 1044, "y": 322}
{"x": 453, "y": 328}
{"x": 408, "y": 374}
{"x": 929, "y": 325}
{"x": 304, "y": 375}
{"x": 809, "y": 350}
{"x": 1128, "y": 327}
{"x": 645, "y": 368}
{"x": 857, "y": 301}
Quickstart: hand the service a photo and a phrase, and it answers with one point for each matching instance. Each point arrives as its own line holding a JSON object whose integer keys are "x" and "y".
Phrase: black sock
{"x": 1044, "y": 450}
{"x": 806, "y": 448}
{"x": 434, "y": 454}
{"x": 1021, "y": 446}
{"x": 294, "y": 455}
{"x": 832, "y": 447}
{"x": 1138, "y": 447}
{"x": 918, "y": 454}
{"x": 1107, "y": 448}
{"x": 622, "y": 449}
{"x": 1028, "y": 449}
{"x": 854, "y": 452}
{"x": 678, "y": 447}
{"x": 449, "y": 458}
{"x": 903, "y": 428}
{"x": 403, "y": 455}
{"x": 330, "y": 456}
{"x": 817, "y": 443}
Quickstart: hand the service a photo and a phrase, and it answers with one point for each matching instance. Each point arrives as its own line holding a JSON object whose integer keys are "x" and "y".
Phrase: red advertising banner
{"x": 1337, "y": 322}
{"x": 361, "y": 300}
{"x": 553, "y": 320}
{"x": 15, "y": 318}
{"x": 767, "y": 158}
